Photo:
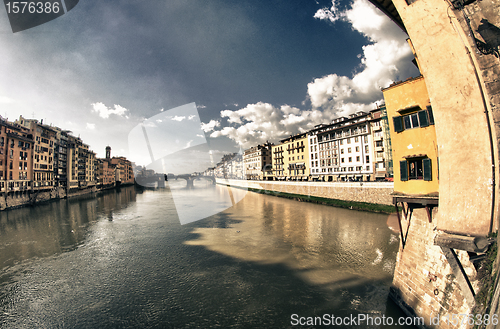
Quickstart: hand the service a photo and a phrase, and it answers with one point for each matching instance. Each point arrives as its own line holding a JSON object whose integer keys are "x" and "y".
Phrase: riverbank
{"x": 364, "y": 196}
{"x": 18, "y": 199}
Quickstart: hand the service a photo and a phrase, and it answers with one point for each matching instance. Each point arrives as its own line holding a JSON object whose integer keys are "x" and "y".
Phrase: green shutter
{"x": 403, "y": 169}
{"x": 398, "y": 124}
{"x": 431, "y": 115}
{"x": 422, "y": 117}
{"x": 427, "y": 169}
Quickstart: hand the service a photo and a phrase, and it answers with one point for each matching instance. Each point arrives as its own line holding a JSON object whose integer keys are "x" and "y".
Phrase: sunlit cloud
{"x": 104, "y": 112}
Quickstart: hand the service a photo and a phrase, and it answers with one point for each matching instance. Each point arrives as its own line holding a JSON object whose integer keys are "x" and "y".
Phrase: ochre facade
{"x": 414, "y": 146}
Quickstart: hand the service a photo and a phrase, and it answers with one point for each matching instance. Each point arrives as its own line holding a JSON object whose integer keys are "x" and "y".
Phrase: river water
{"x": 123, "y": 260}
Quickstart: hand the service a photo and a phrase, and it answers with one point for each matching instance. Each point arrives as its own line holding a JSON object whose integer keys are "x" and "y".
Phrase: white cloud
{"x": 90, "y": 126}
{"x": 261, "y": 122}
{"x": 206, "y": 127}
{"x": 332, "y": 14}
{"x": 386, "y": 59}
{"x": 104, "y": 111}
{"x": 191, "y": 117}
{"x": 178, "y": 118}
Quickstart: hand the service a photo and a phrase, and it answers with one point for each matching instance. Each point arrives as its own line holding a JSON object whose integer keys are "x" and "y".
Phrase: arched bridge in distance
{"x": 190, "y": 178}
{"x": 158, "y": 180}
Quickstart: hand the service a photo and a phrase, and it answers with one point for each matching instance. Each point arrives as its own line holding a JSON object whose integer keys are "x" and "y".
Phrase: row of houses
{"x": 360, "y": 147}
{"x": 353, "y": 148}
{"x": 38, "y": 157}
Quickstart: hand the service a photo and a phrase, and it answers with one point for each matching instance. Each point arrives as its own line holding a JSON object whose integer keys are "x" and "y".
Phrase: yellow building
{"x": 293, "y": 160}
{"x": 413, "y": 136}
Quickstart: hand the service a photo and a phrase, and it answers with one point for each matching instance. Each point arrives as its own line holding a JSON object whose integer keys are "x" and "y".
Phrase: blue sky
{"x": 257, "y": 70}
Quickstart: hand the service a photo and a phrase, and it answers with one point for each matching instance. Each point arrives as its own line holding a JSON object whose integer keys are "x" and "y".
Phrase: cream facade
{"x": 256, "y": 161}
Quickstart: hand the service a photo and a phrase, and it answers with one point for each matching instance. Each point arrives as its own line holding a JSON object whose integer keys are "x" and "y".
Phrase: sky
{"x": 256, "y": 70}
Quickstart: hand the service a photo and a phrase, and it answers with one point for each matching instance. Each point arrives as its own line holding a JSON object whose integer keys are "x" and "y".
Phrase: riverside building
{"x": 345, "y": 149}
{"x": 16, "y": 157}
{"x": 256, "y": 161}
{"x": 291, "y": 158}
{"x": 43, "y": 155}
{"x": 414, "y": 139}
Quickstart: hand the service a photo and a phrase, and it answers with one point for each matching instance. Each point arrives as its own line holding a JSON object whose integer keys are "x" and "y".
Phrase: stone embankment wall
{"x": 18, "y": 199}
{"x": 424, "y": 283}
{"x": 371, "y": 192}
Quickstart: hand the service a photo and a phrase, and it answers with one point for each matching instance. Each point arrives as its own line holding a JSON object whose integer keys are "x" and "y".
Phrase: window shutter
{"x": 403, "y": 169}
{"x": 422, "y": 117}
{"x": 398, "y": 124}
{"x": 431, "y": 116}
{"x": 427, "y": 170}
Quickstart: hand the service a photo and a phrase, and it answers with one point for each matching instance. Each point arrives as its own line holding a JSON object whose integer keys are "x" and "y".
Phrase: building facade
{"x": 16, "y": 157}
{"x": 256, "y": 161}
{"x": 291, "y": 158}
{"x": 414, "y": 138}
{"x": 43, "y": 155}
{"x": 345, "y": 151}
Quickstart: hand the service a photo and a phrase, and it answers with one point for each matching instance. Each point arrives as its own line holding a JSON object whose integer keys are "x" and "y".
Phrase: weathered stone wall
{"x": 24, "y": 198}
{"x": 372, "y": 192}
{"x": 423, "y": 278}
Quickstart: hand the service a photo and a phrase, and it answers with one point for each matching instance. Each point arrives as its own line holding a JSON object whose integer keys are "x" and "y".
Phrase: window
{"x": 356, "y": 139}
{"x": 357, "y": 158}
{"x": 349, "y": 150}
{"x": 349, "y": 140}
{"x": 422, "y": 119}
{"x": 357, "y": 148}
{"x": 367, "y": 159}
{"x": 416, "y": 168}
{"x": 350, "y": 159}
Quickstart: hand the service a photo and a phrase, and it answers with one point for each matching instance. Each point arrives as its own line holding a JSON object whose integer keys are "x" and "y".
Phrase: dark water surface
{"x": 122, "y": 260}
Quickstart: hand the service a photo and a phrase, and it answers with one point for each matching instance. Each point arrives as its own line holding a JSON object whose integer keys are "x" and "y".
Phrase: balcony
{"x": 377, "y": 128}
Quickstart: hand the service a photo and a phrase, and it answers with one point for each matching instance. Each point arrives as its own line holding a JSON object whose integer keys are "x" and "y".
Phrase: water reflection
{"x": 328, "y": 246}
{"x": 129, "y": 263}
{"x": 54, "y": 227}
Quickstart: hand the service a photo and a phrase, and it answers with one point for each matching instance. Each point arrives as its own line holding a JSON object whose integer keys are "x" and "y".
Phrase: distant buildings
{"x": 257, "y": 161}
{"x": 353, "y": 148}
{"x": 294, "y": 158}
{"x": 35, "y": 157}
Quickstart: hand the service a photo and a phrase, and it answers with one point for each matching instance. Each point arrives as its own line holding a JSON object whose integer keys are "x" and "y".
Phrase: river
{"x": 123, "y": 260}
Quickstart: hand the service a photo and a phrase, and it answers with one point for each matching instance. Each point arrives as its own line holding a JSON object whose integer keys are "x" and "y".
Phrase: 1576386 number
{"x": 32, "y": 7}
